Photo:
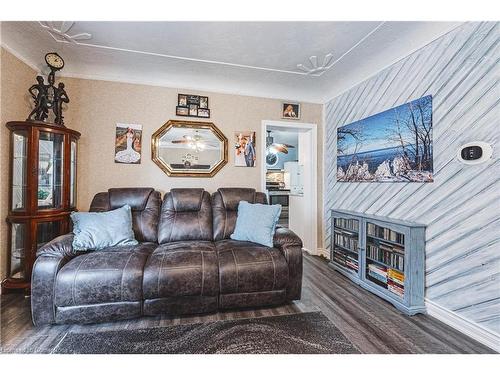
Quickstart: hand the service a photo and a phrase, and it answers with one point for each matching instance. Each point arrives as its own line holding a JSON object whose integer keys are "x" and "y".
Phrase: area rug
{"x": 286, "y": 334}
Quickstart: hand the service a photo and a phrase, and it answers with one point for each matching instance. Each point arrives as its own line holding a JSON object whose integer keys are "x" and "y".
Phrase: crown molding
{"x": 154, "y": 83}
{"x": 20, "y": 57}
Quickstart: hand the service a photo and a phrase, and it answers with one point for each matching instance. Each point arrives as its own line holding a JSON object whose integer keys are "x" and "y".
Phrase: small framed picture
{"x": 202, "y": 112}
{"x": 291, "y": 111}
{"x": 203, "y": 101}
{"x": 182, "y": 100}
{"x": 193, "y": 99}
{"x": 193, "y": 110}
{"x": 245, "y": 149}
{"x": 192, "y": 106}
{"x": 128, "y": 140}
{"x": 181, "y": 111}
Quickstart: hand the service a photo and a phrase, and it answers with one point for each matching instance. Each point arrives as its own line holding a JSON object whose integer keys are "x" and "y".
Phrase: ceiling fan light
{"x": 273, "y": 150}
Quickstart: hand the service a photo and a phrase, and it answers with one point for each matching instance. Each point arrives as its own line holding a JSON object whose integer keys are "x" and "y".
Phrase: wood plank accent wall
{"x": 461, "y": 208}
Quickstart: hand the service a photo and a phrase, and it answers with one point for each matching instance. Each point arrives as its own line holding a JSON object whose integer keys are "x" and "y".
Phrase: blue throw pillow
{"x": 98, "y": 230}
{"x": 256, "y": 223}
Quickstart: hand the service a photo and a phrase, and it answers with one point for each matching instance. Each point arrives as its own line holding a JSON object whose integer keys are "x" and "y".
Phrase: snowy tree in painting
{"x": 392, "y": 146}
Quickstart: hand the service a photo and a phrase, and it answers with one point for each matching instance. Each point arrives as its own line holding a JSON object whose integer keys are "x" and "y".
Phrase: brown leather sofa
{"x": 185, "y": 262}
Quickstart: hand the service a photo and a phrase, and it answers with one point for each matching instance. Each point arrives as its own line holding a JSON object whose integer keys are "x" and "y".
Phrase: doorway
{"x": 289, "y": 175}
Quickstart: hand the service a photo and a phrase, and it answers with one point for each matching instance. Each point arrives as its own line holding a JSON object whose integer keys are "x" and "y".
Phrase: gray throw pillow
{"x": 98, "y": 230}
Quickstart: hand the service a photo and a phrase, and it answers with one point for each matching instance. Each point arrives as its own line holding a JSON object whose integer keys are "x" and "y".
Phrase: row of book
{"x": 395, "y": 288}
{"x": 346, "y": 241}
{"x": 393, "y": 279}
{"x": 377, "y": 272}
{"x": 385, "y": 233}
{"x": 392, "y": 256}
{"x": 346, "y": 260}
{"x": 350, "y": 224}
{"x": 396, "y": 276}
{"x": 352, "y": 263}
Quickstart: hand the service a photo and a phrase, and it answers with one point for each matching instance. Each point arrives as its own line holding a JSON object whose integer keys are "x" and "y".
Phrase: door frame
{"x": 305, "y": 127}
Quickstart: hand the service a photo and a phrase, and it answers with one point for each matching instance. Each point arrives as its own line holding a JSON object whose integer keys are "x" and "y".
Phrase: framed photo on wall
{"x": 128, "y": 143}
{"x": 245, "y": 149}
{"x": 291, "y": 111}
{"x": 192, "y": 106}
{"x": 391, "y": 146}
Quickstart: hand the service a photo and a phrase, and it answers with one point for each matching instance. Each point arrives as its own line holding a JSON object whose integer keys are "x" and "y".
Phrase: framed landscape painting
{"x": 391, "y": 146}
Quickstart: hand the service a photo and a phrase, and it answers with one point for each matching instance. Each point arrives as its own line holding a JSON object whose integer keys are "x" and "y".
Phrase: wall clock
{"x": 54, "y": 61}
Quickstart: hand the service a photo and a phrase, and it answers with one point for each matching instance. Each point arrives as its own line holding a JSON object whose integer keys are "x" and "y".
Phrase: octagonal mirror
{"x": 189, "y": 149}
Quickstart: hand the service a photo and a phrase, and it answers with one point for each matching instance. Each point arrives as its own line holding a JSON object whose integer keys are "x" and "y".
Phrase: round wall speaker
{"x": 474, "y": 152}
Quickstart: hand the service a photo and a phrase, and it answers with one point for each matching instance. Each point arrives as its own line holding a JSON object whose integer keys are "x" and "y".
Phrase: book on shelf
{"x": 352, "y": 263}
{"x": 395, "y": 288}
{"x": 396, "y": 276}
{"x": 377, "y": 277}
{"x": 384, "y": 233}
{"x": 386, "y": 254}
{"x": 377, "y": 272}
{"x": 346, "y": 241}
{"x": 349, "y": 224}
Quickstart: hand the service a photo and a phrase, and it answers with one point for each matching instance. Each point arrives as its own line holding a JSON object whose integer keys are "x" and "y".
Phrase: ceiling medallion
{"x": 61, "y": 34}
{"x": 314, "y": 68}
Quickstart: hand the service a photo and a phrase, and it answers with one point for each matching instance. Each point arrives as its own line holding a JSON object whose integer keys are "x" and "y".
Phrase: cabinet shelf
{"x": 346, "y": 249}
{"x": 384, "y": 240}
{"x": 393, "y": 270}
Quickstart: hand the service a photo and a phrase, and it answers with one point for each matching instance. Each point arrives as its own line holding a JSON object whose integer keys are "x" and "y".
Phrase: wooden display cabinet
{"x": 42, "y": 193}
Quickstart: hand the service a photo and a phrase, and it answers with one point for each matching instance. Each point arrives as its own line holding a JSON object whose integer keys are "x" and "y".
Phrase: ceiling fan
{"x": 274, "y": 148}
{"x": 195, "y": 142}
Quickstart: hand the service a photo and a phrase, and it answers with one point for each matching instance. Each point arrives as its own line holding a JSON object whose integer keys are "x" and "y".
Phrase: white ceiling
{"x": 248, "y": 58}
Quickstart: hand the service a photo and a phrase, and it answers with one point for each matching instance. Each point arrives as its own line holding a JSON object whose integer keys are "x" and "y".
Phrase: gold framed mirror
{"x": 189, "y": 148}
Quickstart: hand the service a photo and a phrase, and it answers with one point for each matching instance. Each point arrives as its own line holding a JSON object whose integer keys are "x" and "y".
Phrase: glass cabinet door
{"x": 47, "y": 231}
{"x": 18, "y": 251}
{"x": 345, "y": 250}
{"x": 19, "y": 172}
{"x": 385, "y": 255}
{"x": 50, "y": 170}
{"x": 72, "y": 174}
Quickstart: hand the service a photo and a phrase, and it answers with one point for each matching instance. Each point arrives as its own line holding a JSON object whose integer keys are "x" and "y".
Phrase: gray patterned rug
{"x": 299, "y": 333}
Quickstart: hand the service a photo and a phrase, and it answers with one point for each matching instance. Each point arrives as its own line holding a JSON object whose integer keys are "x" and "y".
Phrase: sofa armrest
{"x": 291, "y": 246}
{"x": 59, "y": 246}
{"x": 50, "y": 259}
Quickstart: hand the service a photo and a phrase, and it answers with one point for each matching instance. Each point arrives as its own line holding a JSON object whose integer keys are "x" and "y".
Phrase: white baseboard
{"x": 318, "y": 252}
{"x": 469, "y": 328}
{"x": 324, "y": 252}
{"x": 309, "y": 251}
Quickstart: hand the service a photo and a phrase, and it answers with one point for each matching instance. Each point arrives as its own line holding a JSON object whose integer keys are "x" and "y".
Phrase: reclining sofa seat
{"x": 68, "y": 287}
{"x": 250, "y": 274}
{"x": 181, "y": 275}
{"x": 185, "y": 262}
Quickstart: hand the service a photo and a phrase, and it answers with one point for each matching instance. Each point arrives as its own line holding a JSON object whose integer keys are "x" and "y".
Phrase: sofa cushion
{"x": 186, "y": 214}
{"x": 184, "y": 268}
{"x": 145, "y": 204}
{"x": 98, "y": 230}
{"x": 256, "y": 223}
{"x": 111, "y": 275}
{"x": 225, "y": 208}
{"x": 250, "y": 267}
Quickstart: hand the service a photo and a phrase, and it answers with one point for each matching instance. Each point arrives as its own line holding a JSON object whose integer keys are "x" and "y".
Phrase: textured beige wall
{"x": 15, "y": 78}
{"x": 96, "y": 107}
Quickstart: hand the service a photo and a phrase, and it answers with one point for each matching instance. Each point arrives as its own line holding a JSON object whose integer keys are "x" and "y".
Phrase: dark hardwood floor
{"x": 371, "y": 324}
